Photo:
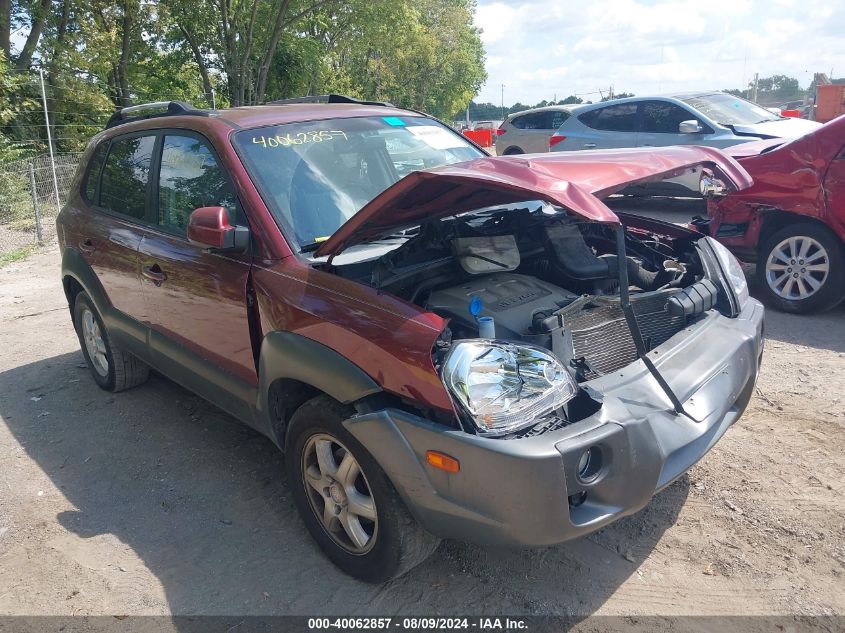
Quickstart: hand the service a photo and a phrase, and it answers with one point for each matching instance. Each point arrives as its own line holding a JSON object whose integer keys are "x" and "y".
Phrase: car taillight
{"x": 500, "y": 131}
{"x": 555, "y": 139}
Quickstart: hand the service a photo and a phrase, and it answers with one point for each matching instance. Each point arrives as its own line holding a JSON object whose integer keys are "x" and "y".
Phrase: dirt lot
{"x": 153, "y": 502}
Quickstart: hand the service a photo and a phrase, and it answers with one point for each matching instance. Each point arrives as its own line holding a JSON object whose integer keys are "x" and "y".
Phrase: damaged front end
{"x": 542, "y": 297}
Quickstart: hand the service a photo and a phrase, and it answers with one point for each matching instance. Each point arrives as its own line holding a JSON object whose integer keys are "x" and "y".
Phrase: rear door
{"x": 606, "y": 128}
{"x": 117, "y": 190}
{"x": 196, "y": 299}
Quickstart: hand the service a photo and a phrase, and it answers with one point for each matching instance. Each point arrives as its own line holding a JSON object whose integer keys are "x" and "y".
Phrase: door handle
{"x": 155, "y": 274}
{"x": 589, "y": 145}
{"x": 87, "y": 246}
{"x": 647, "y": 145}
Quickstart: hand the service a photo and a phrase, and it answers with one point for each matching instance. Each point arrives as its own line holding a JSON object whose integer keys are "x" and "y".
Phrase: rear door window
{"x": 190, "y": 177}
{"x": 615, "y": 118}
{"x": 123, "y": 185}
{"x": 663, "y": 117}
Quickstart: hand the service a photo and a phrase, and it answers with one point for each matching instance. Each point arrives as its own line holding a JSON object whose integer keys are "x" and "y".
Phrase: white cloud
{"x": 540, "y": 49}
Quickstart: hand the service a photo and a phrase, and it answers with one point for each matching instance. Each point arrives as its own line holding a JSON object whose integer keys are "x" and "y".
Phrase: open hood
{"x": 786, "y": 128}
{"x": 573, "y": 180}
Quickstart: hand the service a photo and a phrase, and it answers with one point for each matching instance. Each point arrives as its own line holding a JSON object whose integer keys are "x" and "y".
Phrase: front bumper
{"x": 516, "y": 492}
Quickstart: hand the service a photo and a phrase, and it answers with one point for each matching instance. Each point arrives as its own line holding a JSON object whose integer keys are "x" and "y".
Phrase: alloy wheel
{"x": 339, "y": 494}
{"x": 94, "y": 343}
{"x": 797, "y": 268}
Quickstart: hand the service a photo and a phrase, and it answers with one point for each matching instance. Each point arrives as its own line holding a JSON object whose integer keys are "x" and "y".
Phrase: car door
{"x": 534, "y": 137}
{"x": 834, "y": 188}
{"x": 196, "y": 299}
{"x": 117, "y": 192}
{"x": 608, "y": 127}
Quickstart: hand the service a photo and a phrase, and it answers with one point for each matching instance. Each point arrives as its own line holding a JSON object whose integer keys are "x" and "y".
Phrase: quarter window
{"x": 663, "y": 117}
{"x": 615, "y": 118}
{"x": 93, "y": 174}
{"x": 556, "y": 118}
{"x": 123, "y": 187}
{"x": 190, "y": 178}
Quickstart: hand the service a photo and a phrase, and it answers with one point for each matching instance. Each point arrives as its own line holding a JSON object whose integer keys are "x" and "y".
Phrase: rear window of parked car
{"x": 123, "y": 185}
{"x": 548, "y": 120}
{"x": 615, "y": 118}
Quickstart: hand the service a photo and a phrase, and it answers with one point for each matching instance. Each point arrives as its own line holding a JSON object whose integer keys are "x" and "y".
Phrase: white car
{"x": 529, "y": 131}
{"x": 715, "y": 119}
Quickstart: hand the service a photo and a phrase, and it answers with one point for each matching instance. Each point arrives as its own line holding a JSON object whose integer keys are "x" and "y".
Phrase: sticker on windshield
{"x": 395, "y": 121}
{"x": 436, "y": 137}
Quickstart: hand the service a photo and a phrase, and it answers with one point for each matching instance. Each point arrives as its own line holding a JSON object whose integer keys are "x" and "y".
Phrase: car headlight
{"x": 732, "y": 272}
{"x": 505, "y": 387}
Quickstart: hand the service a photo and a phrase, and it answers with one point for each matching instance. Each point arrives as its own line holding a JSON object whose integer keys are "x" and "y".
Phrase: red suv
{"x": 445, "y": 344}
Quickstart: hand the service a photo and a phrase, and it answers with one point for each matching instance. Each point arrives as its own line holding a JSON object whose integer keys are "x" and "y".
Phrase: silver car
{"x": 715, "y": 119}
{"x": 529, "y": 131}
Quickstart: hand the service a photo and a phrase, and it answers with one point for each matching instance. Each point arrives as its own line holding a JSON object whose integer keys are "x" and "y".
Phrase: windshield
{"x": 314, "y": 176}
{"x": 726, "y": 109}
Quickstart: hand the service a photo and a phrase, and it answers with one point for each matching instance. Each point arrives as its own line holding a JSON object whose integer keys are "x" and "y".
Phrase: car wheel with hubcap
{"x": 801, "y": 268}
{"x": 347, "y": 502}
{"x": 113, "y": 368}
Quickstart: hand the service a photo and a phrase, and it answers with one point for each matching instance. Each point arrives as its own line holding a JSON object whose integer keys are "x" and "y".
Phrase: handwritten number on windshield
{"x": 301, "y": 138}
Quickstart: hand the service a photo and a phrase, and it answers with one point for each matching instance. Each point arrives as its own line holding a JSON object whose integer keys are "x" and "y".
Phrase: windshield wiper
{"x": 310, "y": 247}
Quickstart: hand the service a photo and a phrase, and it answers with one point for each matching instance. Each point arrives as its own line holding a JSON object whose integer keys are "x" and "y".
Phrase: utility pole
{"x": 754, "y": 93}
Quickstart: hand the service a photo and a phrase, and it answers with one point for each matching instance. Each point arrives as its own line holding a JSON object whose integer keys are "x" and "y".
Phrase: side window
{"x": 534, "y": 121}
{"x": 123, "y": 186}
{"x": 615, "y": 118}
{"x": 663, "y": 117}
{"x": 93, "y": 175}
{"x": 190, "y": 178}
{"x": 518, "y": 122}
{"x": 555, "y": 119}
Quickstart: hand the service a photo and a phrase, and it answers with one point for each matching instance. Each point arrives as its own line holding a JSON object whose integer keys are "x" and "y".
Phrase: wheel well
{"x": 513, "y": 149}
{"x": 72, "y": 288}
{"x": 775, "y": 220}
{"x": 285, "y": 396}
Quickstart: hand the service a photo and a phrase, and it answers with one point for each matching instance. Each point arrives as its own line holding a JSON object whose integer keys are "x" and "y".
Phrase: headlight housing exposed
{"x": 732, "y": 271}
{"x": 504, "y": 387}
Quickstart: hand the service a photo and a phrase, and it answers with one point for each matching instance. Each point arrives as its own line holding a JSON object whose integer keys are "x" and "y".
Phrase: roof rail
{"x": 140, "y": 112}
{"x": 330, "y": 98}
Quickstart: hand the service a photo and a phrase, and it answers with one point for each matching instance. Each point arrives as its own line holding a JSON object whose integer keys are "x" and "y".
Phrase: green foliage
{"x": 16, "y": 255}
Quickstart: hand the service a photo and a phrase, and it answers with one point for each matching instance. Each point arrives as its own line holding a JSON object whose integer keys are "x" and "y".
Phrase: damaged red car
{"x": 791, "y": 222}
{"x": 443, "y": 343}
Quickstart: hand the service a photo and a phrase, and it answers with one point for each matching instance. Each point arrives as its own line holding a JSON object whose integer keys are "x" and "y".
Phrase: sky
{"x": 543, "y": 49}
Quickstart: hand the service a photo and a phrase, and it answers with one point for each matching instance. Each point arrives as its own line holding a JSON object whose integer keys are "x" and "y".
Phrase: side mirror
{"x": 690, "y": 127}
{"x": 209, "y": 227}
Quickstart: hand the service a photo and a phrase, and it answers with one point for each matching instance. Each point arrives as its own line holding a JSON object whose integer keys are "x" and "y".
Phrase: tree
{"x": 571, "y": 99}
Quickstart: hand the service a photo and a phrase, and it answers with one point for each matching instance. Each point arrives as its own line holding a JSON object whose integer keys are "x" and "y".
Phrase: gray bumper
{"x": 516, "y": 492}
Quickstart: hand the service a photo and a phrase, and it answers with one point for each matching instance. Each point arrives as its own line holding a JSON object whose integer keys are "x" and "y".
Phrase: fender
{"x": 286, "y": 355}
{"x": 75, "y": 267}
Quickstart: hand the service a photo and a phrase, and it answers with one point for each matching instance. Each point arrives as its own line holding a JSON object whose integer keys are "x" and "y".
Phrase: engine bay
{"x": 541, "y": 277}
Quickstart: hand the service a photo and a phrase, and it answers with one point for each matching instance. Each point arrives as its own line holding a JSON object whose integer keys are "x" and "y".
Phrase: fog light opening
{"x": 589, "y": 464}
{"x": 577, "y": 499}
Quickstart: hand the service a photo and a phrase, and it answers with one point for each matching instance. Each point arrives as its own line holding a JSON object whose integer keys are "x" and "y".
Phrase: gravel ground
{"x": 152, "y": 501}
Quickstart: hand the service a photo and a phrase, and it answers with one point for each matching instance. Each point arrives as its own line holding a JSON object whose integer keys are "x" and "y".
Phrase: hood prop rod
{"x": 634, "y": 326}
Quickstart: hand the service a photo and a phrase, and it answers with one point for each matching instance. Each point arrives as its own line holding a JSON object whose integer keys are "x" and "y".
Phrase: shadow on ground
{"x": 202, "y": 500}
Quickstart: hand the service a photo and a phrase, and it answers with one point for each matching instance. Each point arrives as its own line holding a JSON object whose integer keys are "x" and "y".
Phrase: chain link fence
{"x": 28, "y": 204}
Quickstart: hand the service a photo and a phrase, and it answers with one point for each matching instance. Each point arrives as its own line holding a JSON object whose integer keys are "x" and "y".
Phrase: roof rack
{"x": 140, "y": 112}
{"x": 330, "y": 98}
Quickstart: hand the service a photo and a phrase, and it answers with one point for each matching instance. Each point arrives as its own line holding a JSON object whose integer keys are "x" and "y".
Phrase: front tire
{"x": 112, "y": 368}
{"x": 347, "y": 502}
{"x": 801, "y": 268}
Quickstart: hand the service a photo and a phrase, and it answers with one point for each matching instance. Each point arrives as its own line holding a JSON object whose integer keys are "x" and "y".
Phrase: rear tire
{"x": 347, "y": 502}
{"x": 113, "y": 368}
{"x": 801, "y": 268}
{"x": 513, "y": 151}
